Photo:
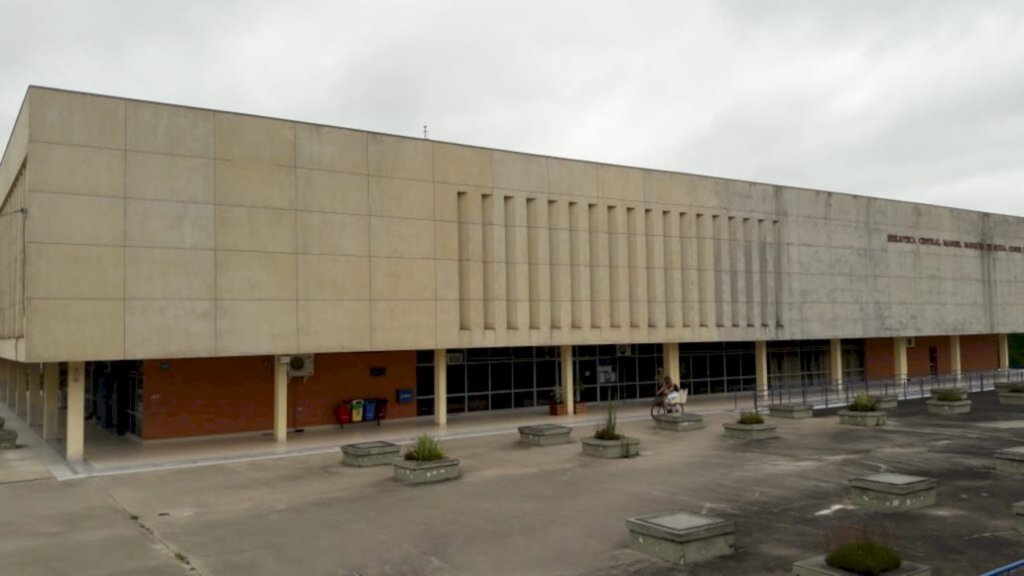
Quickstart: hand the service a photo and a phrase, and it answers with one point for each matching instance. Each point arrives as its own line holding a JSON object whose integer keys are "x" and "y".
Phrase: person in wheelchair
{"x": 672, "y": 398}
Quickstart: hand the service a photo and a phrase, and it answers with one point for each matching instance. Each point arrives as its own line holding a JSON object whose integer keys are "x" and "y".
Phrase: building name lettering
{"x": 966, "y": 245}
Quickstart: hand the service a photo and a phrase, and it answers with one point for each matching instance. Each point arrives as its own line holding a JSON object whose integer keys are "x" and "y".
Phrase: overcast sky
{"x": 921, "y": 101}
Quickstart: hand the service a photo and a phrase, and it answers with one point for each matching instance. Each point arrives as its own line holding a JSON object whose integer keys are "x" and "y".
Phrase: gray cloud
{"x": 914, "y": 100}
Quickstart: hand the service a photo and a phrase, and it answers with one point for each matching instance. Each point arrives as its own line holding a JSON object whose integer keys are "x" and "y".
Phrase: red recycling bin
{"x": 343, "y": 412}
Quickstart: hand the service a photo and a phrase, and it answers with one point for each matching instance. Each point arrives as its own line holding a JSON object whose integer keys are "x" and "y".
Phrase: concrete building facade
{"x": 179, "y": 256}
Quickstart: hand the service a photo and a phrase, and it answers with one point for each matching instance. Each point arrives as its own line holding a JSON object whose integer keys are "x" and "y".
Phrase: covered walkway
{"x": 107, "y": 454}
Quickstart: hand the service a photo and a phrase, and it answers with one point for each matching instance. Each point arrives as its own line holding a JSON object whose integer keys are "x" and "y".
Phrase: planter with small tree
{"x": 863, "y": 411}
{"x": 557, "y": 405}
{"x": 424, "y": 463}
{"x": 608, "y": 442}
{"x": 948, "y": 402}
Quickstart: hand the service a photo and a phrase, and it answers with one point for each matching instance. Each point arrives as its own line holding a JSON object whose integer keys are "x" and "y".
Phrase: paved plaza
{"x": 531, "y": 510}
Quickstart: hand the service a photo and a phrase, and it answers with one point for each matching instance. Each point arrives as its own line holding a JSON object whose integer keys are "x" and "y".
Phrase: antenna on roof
{"x": 426, "y": 135}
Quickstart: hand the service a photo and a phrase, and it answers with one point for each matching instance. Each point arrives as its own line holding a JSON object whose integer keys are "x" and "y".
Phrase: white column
{"x": 75, "y": 451}
{"x": 761, "y": 367}
{"x": 1004, "y": 352}
{"x": 899, "y": 359}
{"x": 836, "y": 363}
{"x": 51, "y": 400}
{"x": 281, "y": 398}
{"x": 670, "y": 355}
{"x": 954, "y": 358}
{"x": 567, "y": 379}
{"x": 441, "y": 387}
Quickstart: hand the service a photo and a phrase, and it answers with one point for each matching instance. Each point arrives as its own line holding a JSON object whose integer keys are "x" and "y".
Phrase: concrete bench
{"x": 364, "y": 454}
{"x": 893, "y": 492}
{"x": 8, "y": 439}
{"x": 1010, "y": 460}
{"x": 682, "y": 537}
{"x": 678, "y": 422}
{"x": 545, "y": 435}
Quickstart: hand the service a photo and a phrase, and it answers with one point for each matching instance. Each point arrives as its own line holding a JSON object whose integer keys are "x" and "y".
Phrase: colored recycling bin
{"x": 343, "y": 412}
{"x": 369, "y": 409}
{"x": 357, "y": 410}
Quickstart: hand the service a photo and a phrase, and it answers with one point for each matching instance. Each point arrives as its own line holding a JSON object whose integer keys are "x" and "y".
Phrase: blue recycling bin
{"x": 369, "y": 409}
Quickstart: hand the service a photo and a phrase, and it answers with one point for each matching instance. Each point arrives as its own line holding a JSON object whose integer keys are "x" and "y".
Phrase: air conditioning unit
{"x": 910, "y": 342}
{"x": 300, "y": 366}
{"x": 624, "y": 350}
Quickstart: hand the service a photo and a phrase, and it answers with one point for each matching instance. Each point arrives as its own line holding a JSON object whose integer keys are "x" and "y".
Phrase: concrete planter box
{"x": 817, "y": 567}
{"x": 679, "y": 422}
{"x": 1011, "y": 398}
{"x": 8, "y": 439}
{"x": 887, "y": 401}
{"x": 413, "y": 472}
{"x": 1018, "y": 512}
{"x": 1010, "y": 460}
{"x": 942, "y": 408}
{"x": 750, "y": 431}
{"x": 545, "y": 435}
{"x": 364, "y": 454}
{"x": 792, "y": 411}
{"x": 868, "y": 419}
{"x": 625, "y": 447}
{"x": 681, "y": 537}
{"x": 893, "y": 492}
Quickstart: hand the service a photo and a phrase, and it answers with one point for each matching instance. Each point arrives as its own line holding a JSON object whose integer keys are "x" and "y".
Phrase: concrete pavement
{"x": 530, "y": 511}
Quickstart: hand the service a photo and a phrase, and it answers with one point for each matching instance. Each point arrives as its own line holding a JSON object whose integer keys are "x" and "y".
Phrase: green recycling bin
{"x": 357, "y": 410}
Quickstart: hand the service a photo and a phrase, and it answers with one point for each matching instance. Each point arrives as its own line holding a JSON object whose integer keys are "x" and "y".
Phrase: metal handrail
{"x": 1007, "y": 570}
{"x": 827, "y": 394}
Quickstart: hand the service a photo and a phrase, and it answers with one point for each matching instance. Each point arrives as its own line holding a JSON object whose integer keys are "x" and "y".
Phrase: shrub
{"x": 868, "y": 558}
{"x": 1016, "y": 388}
{"x": 609, "y": 430}
{"x": 750, "y": 418}
{"x": 863, "y": 403}
{"x": 947, "y": 395}
{"x": 424, "y": 450}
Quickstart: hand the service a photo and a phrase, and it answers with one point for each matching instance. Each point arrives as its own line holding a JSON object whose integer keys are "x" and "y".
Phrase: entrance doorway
{"x": 116, "y": 398}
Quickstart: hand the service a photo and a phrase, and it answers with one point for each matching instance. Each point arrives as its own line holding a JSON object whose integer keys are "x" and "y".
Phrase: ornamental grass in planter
{"x": 750, "y": 426}
{"x": 948, "y": 402}
{"x": 425, "y": 462}
{"x": 608, "y": 442}
{"x": 863, "y": 550}
{"x": 863, "y": 411}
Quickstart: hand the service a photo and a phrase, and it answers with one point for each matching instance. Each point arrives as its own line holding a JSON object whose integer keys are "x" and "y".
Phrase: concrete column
{"x": 1004, "y": 352}
{"x": 899, "y": 359}
{"x": 761, "y": 367}
{"x": 670, "y": 354}
{"x": 567, "y": 379}
{"x": 954, "y": 358}
{"x": 30, "y": 396}
{"x": 8, "y": 380}
{"x": 20, "y": 396}
{"x": 441, "y": 387}
{"x": 281, "y": 398}
{"x": 51, "y": 400}
{"x": 836, "y": 363}
{"x": 75, "y": 438}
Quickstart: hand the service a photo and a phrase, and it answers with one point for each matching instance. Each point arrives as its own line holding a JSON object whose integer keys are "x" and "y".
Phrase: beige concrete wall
{"x": 164, "y": 231}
